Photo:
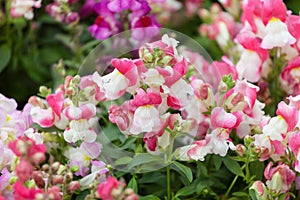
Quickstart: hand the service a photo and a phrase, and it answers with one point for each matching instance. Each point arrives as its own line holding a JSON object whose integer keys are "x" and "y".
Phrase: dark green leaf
{"x": 133, "y": 185}
{"x": 149, "y": 197}
{"x": 185, "y": 191}
{"x": 257, "y": 169}
{"x": 252, "y": 194}
{"x": 182, "y": 169}
{"x": 233, "y": 166}
{"x": 217, "y": 161}
{"x": 5, "y": 55}
{"x": 240, "y": 194}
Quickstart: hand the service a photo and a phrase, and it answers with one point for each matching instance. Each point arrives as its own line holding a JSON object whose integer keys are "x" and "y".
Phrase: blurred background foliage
{"x": 31, "y": 50}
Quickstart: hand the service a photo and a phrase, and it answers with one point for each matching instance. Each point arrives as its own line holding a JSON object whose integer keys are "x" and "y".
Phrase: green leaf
{"x": 123, "y": 161}
{"x": 149, "y": 197}
{"x": 133, "y": 185}
{"x": 185, "y": 191}
{"x": 252, "y": 194}
{"x": 217, "y": 161}
{"x": 182, "y": 169}
{"x": 142, "y": 159}
{"x": 282, "y": 197}
{"x": 233, "y": 166}
{"x": 240, "y": 194}
{"x": 5, "y": 55}
{"x": 257, "y": 169}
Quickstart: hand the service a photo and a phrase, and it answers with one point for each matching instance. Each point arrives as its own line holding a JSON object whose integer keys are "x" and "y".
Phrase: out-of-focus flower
{"x": 24, "y": 8}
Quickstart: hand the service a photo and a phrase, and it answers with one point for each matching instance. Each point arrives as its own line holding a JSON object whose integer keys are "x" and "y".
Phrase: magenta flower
{"x": 103, "y": 27}
{"x": 120, "y": 5}
{"x": 23, "y": 193}
{"x": 104, "y": 190}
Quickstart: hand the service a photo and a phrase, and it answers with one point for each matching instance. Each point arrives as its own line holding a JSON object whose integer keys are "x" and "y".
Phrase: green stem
{"x": 230, "y": 187}
{"x": 168, "y": 183}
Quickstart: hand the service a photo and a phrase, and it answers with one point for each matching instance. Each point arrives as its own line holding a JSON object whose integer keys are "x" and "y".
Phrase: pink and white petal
{"x": 56, "y": 102}
{"x": 289, "y": 114}
{"x": 222, "y": 119}
{"x": 88, "y": 111}
{"x": 145, "y": 119}
{"x": 44, "y": 117}
{"x": 73, "y": 112}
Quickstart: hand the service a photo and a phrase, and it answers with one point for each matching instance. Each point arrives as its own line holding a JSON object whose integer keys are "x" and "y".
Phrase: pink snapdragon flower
{"x": 290, "y": 77}
{"x": 23, "y": 193}
{"x": 104, "y": 190}
{"x": 24, "y": 8}
{"x": 116, "y": 83}
{"x": 146, "y": 117}
{"x": 279, "y": 178}
{"x": 294, "y": 144}
{"x": 80, "y": 125}
{"x": 252, "y": 51}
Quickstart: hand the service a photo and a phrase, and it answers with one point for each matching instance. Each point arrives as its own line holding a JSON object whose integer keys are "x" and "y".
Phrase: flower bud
{"x": 261, "y": 192}
{"x": 37, "y": 158}
{"x": 72, "y": 187}
{"x": 56, "y": 179}
{"x": 55, "y": 166}
{"x": 45, "y": 168}
{"x": 69, "y": 177}
{"x": 24, "y": 170}
{"x": 72, "y": 18}
{"x": 38, "y": 179}
{"x": 241, "y": 149}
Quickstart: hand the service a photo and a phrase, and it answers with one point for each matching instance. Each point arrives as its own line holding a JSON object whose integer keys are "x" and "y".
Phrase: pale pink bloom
{"x": 248, "y": 90}
{"x": 24, "y": 170}
{"x": 5, "y": 187}
{"x": 24, "y": 8}
{"x": 98, "y": 170}
{"x": 34, "y": 135}
{"x": 90, "y": 90}
{"x": 115, "y": 84}
{"x": 276, "y": 35}
{"x": 279, "y": 178}
{"x": 252, "y": 52}
{"x": 152, "y": 78}
{"x": 51, "y": 115}
{"x": 290, "y": 77}
{"x": 221, "y": 119}
{"x": 294, "y": 144}
{"x": 260, "y": 189}
{"x": 83, "y": 155}
{"x": 199, "y": 150}
{"x": 285, "y": 111}
{"x": 85, "y": 111}
{"x": 179, "y": 94}
{"x": 146, "y": 117}
{"x": 7, "y": 155}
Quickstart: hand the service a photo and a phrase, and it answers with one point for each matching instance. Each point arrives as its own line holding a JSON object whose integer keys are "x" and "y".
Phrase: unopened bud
{"x": 55, "y": 166}
{"x": 45, "y": 168}
{"x": 72, "y": 187}
{"x": 240, "y": 149}
{"x": 37, "y": 158}
{"x": 72, "y": 18}
{"x": 69, "y": 177}
{"x": 38, "y": 179}
{"x": 56, "y": 179}
{"x": 22, "y": 147}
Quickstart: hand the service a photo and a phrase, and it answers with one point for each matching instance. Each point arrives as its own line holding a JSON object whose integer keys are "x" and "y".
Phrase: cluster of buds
{"x": 61, "y": 11}
{"x": 112, "y": 189}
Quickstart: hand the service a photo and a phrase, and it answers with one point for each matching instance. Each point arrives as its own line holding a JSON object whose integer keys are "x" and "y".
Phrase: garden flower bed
{"x": 149, "y": 99}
